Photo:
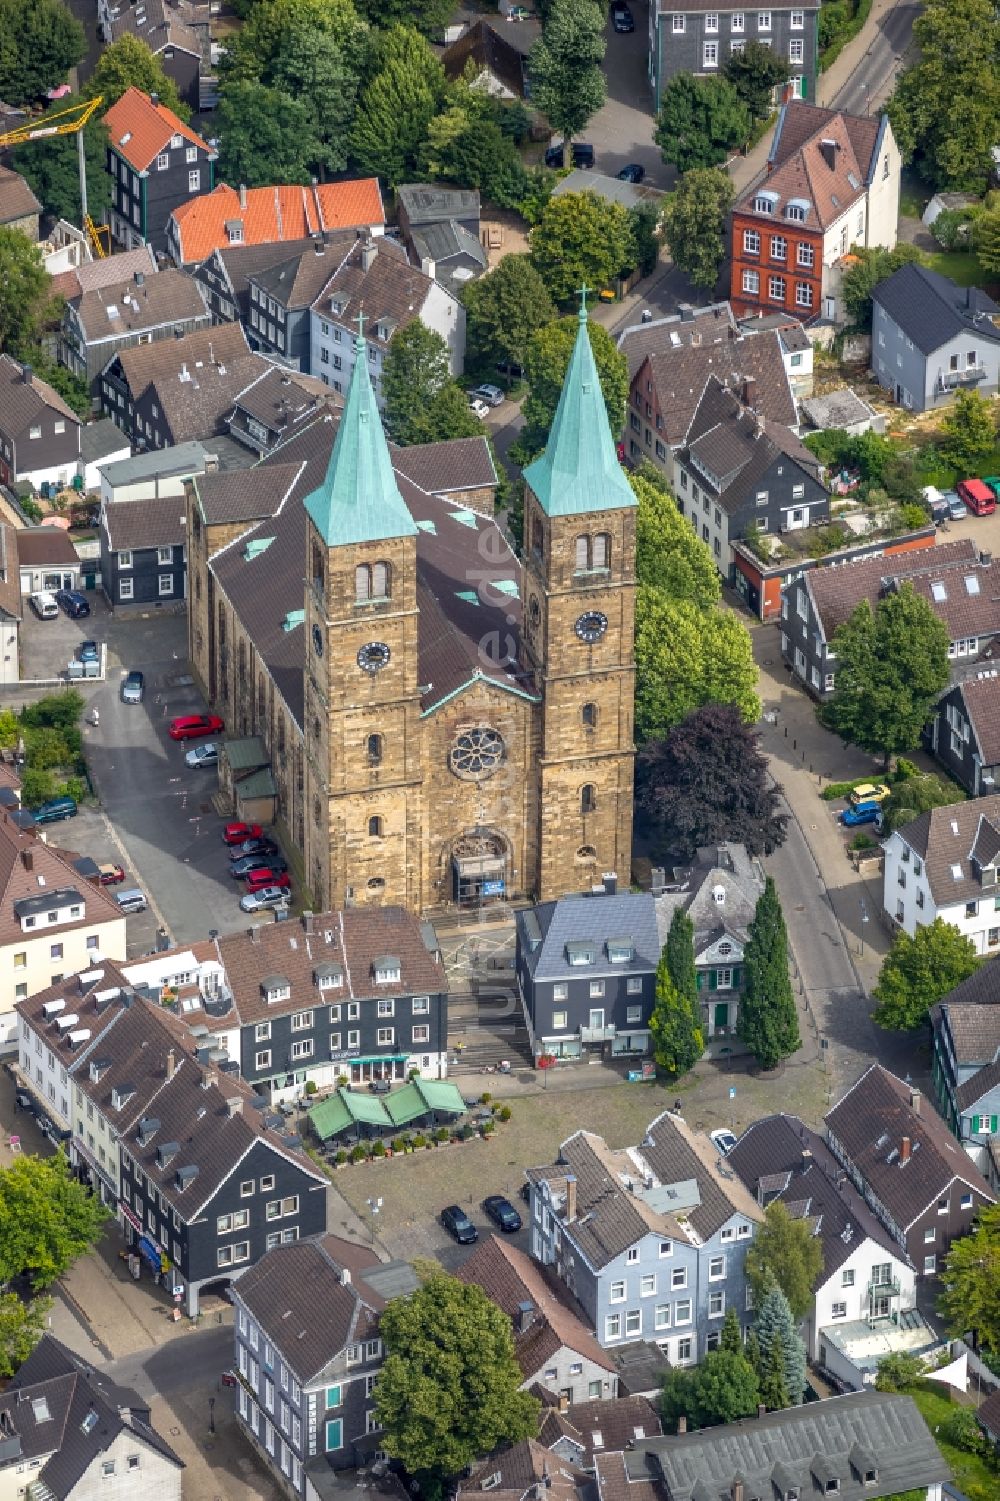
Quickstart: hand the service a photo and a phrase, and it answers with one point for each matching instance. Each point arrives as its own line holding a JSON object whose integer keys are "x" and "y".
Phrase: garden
{"x": 46, "y": 743}
{"x": 958, "y": 1436}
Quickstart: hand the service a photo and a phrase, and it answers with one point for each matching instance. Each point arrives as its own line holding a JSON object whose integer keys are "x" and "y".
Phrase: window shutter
{"x": 737, "y": 978}
{"x": 993, "y": 1125}
{"x": 975, "y": 1125}
{"x": 713, "y": 979}
{"x": 700, "y": 977}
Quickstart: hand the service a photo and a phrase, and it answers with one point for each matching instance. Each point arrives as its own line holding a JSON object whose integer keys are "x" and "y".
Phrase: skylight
{"x": 956, "y": 872}
{"x": 939, "y": 592}
{"x": 971, "y": 584}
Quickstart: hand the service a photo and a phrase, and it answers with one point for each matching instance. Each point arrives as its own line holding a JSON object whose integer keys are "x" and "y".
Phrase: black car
{"x": 458, "y": 1224}
{"x": 502, "y": 1212}
{"x": 254, "y": 847}
{"x": 582, "y": 155}
{"x": 634, "y": 172}
{"x": 73, "y": 602}
{"x": 621, "y": 18}
{"x": 240, "y": 869}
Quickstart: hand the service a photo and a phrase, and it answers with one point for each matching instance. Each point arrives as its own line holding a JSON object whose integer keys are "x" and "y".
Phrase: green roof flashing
{"x": 292, "y": 619}
{"x": 255, "y": 547}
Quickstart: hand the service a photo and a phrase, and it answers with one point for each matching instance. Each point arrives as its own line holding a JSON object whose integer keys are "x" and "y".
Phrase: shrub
{"x": 398, "y": 1145}
{"x": 378, "y": 1150}
{"x": 75, "y": 787}
{"x": 341, "y": 1157}
{"x": 414, "y": 1073}
{"x": 485, "y": 1097}
{"x": 358, "y": 1153}
{"x": 489, "y": 1127}
{"x": 863, "y": 842}
{"x": 58, "y": 711}
{"x": 418, "y": 1140}
{"x": 311, "y": 1086}
{"x": 904, "y": 770}
{"x": 833, "y": 790}
{"x": 442, "y": 1133}
{"x": 961, "y": 1429}
{"x": 504, "y": 1113}
{"x": 342, "y": 1081}
{"x": 36, "y": 787}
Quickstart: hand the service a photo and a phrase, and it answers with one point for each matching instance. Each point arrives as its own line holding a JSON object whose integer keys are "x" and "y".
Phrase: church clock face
{"x": 317, "y": 641}
{"x": 590, "y": 626}
{"x": 373, "y": 656}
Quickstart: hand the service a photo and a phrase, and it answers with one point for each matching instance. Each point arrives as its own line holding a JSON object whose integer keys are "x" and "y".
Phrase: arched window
{"x": 588, "y": 714}
{"x": 381, "y": 579}
{"x": 588, "y": 798}
{"x": 222, "y": 625}
{"x": 582, "y": 554}
{"x": 362, "y": 582}
{"x": 586, "y": 853}
{"x": 600, "y": 552}
{"x": 317, "y": 568}
{"x": 374, "y": 749}
{"x": 243, "y": 661}
{"x": 538, "y": 536}
{"x": 372, "y": 581}
{"x": 261, "y": 702}
{"x": 375, "y": 828}
{"x": 376, "y": 884}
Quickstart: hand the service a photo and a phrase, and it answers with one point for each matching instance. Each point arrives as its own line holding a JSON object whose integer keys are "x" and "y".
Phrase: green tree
{"x": 773, "y": 1376}
{"x": 768, "y": 1020}
{"x": 470, "y": 149}
{"x": 785, "y": 1251}
{"x": 503, "y": 309}
{"x": 918, "y": 972}
{"x": 731, "y": 1337}
{"x": 449, "y": 1389}
{"x": 871, "y": 265}
{"x": 61, "y": 710}
{"x": 10, "y": 729}
{"x": 448, "y": 415}
{"x": 679, "y": 954}
{"x": 684, "y": 658}
{"x": 126, "y": 64}
{"x": 986, "y": 238}
{"x": 40, "y": 40}
{"x": 775, "y": 1324}
{"x": 892, "y": 667}
{"x": 47, "y": 1219}
{"x": 37, "y": 786}
{"x": 545, "y": 365}
{"x": 644, "y": 219}
{"x": 896, "y": 1372}
{"x": 581, "y": 238}
{"x": 416, "y": 370}
{"x": 428, "y": 16}
{"x": 677, "y": 1037}
{"x": 315, "y": 67}
{"x": 914, "y": 796}
{"x": 668, "y": 554}
{"x": 970, "y": 1282}
{"x": 264, "y": 135}
{"x": 256, "y": 49}
{"x": 724, "y": 1389}
{"x": 969, "y": 430}
{"x": 21, "y": 1327}
{"x": 700, "y": 121}
{"x": 51, "y": 167}
{"x": 396, "y": 106}
{"x": 694, "y": 224}
{"x": 755, "y": 72}
{"x": 676, "y": 1399}
{"x": 564, "y": 65}
{"x": 25, "y": 299}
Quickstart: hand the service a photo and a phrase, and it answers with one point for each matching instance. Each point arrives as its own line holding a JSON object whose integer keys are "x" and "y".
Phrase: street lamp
{"x": 864, "y": 918}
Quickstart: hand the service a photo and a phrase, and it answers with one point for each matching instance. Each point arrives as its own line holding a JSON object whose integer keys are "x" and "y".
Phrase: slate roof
{"x": 590, "y": 919}
{"x": 282, "y": 399}
{"x": 297, "y": 1296}
{"x": 295, "y": 281}
{"x": 870, "y": 1121}
{"x": 197, "y": 408}
{"x": 21, "y": 403}
{"x": 275, "y": 213}
{"x": 447, "y": 468}
{"x": 483, "y": 45}
{"x": 981, "y": 702}
{"x": 676, "y": 1154}
{"x": 38, "y": 545}
{"x": 836, "y": 592}
{"x": 134, "y": 524}
{"x": 974, "y": 1089}
{"x": 159, "y": 25}
{"x": 945, "y": 838}
{"x": 615, "y": 1483}
{"x": 525, "y": 1470}
{"x": 248, "y": 495}
{"x": 812, "y": 1443}
{"x": 510, "y": 1278}
{"x": 101, "y": 439}
{"x": 168, "y": 297}
{"x": 427, "y": 203}
{"x": 240, "y": 262}
{"x": 164, "y": 359}
{"x": 391, "y": 292}
{"x": 799, "y": 170}
{"x": 107, "y": 270}
{"x": 741, "y": 878}
{"x": 931, "y": 309}
{"x": 781, "y": 1149}
{"x": 712, "y": 324}
{"x": 446, "y": 242}
{"x": 608, "y": 1218}
{"x": 733, "y": 447}
{"x": 595, "y": 1428}
{"x": 972, "y": 1011}
{"x": 679, "y": 376}
{"x": 17, "y": 201}
{"x": 139, "y": 130}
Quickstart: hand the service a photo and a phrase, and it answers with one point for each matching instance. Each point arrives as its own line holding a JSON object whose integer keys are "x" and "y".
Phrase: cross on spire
{"x": 582, "y": 294}
{"x": 360, "y": 321}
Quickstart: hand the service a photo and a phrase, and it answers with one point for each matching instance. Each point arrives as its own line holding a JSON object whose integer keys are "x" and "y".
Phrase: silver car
{"x": 492, "y": 395}
{"x": 267, "y": 896}
{"x": 133, "y": 688}
{"x": 206, "y": 754}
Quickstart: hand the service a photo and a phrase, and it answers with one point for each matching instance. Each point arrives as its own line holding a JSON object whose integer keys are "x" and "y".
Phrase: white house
{"x": 944, "y": 864}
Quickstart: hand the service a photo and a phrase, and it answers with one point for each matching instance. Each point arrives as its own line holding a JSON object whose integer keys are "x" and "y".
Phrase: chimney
{"x": 345, "y": 1276}
{"x": 524, "y": 1317}
{"x": 737, "y": 1490}
{"x": 154, "y": 100}
{"x": 564, "y": 1404}
{"x": 686, "y": 311}
{"x": 807, "y": 1159}
{"x": 368, "y": 254}
{"x": 28, "y": 859}
{"x": 904, "y": 1150}
{"x": 234, "y": 1105}
{"x": 829, "y": 149}
{"x": 749, "y": 392}
{"x": 915, "y": 1101}
{"x": 761, "y": 1410}
{"x": 610, "y": 879}
{"x": 139, "y": 279}
{"x": 171, "y": 1063}
{"x": 985, "y": 557}
{"x": 307, "y": 922}
{"x": 682, "y": 1424}
{"x": 570, "y": 1199}
{"x": 243, "y": 196}
{"x": 27, "y": 372}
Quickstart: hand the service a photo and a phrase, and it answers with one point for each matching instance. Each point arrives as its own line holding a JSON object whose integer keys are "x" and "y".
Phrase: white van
{"x": 44, "y": 605}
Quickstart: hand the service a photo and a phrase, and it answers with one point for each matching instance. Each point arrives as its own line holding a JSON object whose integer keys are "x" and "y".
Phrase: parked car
{"x": 492, "y": 395}
{"x": 993, "y": 481}
{"x": 977, "y": 496}
{"x": 480, "y": 408}
{"x": 870, "y": 792}
{"x": 192, "y": 726}
{"x": 236, "y": 833}
{"x": 458, "y": 1224}
{"x": 73, "y": 602}
{"x": 55, "y": 809}
{"x": 581, "y": 153}
{"x": 502, "y": 1212}
{"x": 206, "y": 754}
{"x": 88, "y": 651}
{"x": 723, "y": 1140}
{"x": 519, "y": 13}
{"x": 956, "y": 506}
{"x": 260, "y": 901}
{"x": 44, "y": 604}
{"x": 265, "y": 875}
{"x": 133, "y": 900}
{"x": 621, "y": 18}
{"x": 852, "y": 818}
{"x": 632, "y": 172}
{"x": 256, "y": 847}
{"x": 110, "y": 875}
{"x": 241, "y": 868}
{"x": 133, "y": 688}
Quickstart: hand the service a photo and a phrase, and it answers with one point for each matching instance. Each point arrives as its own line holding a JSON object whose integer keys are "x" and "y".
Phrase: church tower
{"x": 579, "y": 628}
{"x": 362, "y": 704}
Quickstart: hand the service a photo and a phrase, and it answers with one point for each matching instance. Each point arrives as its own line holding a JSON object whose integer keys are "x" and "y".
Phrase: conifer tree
{"x": 768, "y": 1022}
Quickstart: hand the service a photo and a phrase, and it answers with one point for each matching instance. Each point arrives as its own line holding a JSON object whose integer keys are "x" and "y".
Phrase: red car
{"x": 236, "y": 833}
{"x": 110, "y": 875}
{"x": 977, "y": 496}
{"x": 191, "y": 726}
{"x": 258, "y": 879}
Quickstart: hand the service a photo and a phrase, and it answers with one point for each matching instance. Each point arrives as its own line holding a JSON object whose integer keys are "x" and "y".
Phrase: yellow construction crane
{"x": 66, "y": 122}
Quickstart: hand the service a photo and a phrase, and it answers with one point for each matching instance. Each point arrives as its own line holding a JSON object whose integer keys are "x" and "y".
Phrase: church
{"x": 447, "y": 724}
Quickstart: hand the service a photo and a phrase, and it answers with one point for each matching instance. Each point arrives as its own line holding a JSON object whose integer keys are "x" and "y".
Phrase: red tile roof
{"x": 139, "y": 129}
{"x": 808, "y": 139}
{"x": 276, "y": 213}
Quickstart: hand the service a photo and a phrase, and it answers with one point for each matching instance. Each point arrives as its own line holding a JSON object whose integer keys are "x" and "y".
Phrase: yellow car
{"x": 870, "y": 792}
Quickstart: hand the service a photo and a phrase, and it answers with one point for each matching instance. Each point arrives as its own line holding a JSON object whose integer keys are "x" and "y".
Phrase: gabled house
{"x": 524, "y": 1469}
{"x": 832, "y": 181}
{"x": 39, "y": 433}
{"x": 155, "y": 162}
{"x": 141, "y": 309}
{"x": 932, "y": 338}
{"x": 260, "y": 216}
{"x": 584, "y": 1431}
{"x": 19, "y": 208}
{"x": 943, "y": 863}
{"x": 440, "y": 227}
{"x": 966, "y": 1063}
{"x": 142, "y": 551}
{"x": 553, "y": 1347}
{"x": 47, "y": 559}
{"x": 225, "y": 275}
{"x": 912, "y": 1173}
{"x": 486, "y": 59}
{"x": 685, "y": 38}
{"x": 964, "y": 734}
{"x": 276, "y": 405}
{"x": 281, "y": 294}
{"x": 175, "y": 31}
{"x": 90, "y": 276}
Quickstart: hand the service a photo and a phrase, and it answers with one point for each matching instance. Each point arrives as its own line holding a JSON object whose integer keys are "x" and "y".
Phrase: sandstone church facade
{"x": 445, "y": 723}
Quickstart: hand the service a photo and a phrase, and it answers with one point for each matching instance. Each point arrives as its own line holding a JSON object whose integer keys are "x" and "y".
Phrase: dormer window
{"x": 580, "y": 953}
{"x": 275, "y": 988}
{"x": 387, "y": 970}
{"x": 871, "y": 1477}
{"x": 329, "y": 977}
{"x": 620, "y": 950}
{"x": 765, "y": 203}
{"x": 176, "y": 142}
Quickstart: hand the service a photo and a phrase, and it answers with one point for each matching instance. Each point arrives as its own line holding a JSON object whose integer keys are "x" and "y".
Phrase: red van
{"x": 977, "y": 496}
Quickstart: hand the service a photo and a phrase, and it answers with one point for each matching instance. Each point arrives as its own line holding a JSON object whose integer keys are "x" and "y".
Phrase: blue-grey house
{"x": 966, "y": 1061}
{"x": 931, "y": 338}
{"x": 650, "y": 1240}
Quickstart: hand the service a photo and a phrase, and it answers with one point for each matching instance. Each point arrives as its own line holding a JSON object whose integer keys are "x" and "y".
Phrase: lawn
{"x": 960, "y": 265}
{"x": 970, "y": 1473}
{"x": 913, "y": 197}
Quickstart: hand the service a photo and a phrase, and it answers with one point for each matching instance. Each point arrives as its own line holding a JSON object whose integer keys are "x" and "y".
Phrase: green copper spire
{"x": 579, "y": 470}
{"x": 359, "y": 500}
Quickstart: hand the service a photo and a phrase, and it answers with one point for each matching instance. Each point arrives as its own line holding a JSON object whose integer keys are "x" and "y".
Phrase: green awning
{"x": 405, "y": 1105}
{"x": 364, "y": 1108}
{"x": 330, "y": 1117}
{"x": 441, "y": 1094}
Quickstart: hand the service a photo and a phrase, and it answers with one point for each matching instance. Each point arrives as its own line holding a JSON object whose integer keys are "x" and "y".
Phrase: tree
{"x": 564, "y": 65}
{"x": 970, "y": 1282}
{"x": 969, "y": 430}
{"x": 47, "y": 1219}
{"x": 545, "y": 365}
{"x": 775, "y": 1324}
{"x": 679, "y": 955}
{"x": 686, "y": 657}
{"x": 919, "y": 971}
{"x": 707, "y": 782}
{"x": 724, "y": 1389}
{"x": 773, "y": 1377}
{"x": 428, "y": 16}
{"x": 581, "y": 238}
{"x": 871, "y": 264}
{"x": 51, "y": 167}
{"x": 913, "y": 796}
{"x": 669, "y": 555}
{"x": 264, "y": 135}
{"x": 25, "y": 299}
{"x": 21, "y": 1327}
{"x": 768, "y": 1021}
{"x": 677, "y": 1038}
{"x": 986, "y": 237}
{"x": 416, "y": 370}
{"x": 449, "y": 1389}
{"x": 644, "y": 220}
{"x": 785, "y": 1251}
{"x": 128, "y": 63}
{"x": 694, "y": 224}
{"x": 896, "y": 1372}
{"x": 396, "y": 106}
{"x": 755, "y": 72}
{"x": 892, "y": 667}
{"x": 503, "y": 309}
{"x": 469, "y": 148}
{"x": 448, "y": 415}
{"x": 40, "y": 40}
{"x": 700, "y": 121}
{"x": 731, "y": 1337}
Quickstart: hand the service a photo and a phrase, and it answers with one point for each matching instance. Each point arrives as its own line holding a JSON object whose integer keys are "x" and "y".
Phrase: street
{"x": 871, "y": 83}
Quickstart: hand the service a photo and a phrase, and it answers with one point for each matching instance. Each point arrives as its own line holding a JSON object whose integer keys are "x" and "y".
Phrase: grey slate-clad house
{"x": 697, "y": 36}
{"x": 964, "y": 734}
{"x": 275, "y": 406}
{"x": 931, "y": 338}
{"x": 175, "y": 31}
{"x": 180, "y": 389}
{"x": 142, "y": 551}
{"x": 141, "y": 309}
{"x": 966, "y": 1063}
{"x": 586, "y": 971}
{"x": 155, "y": 163}
{"x": 225, "y": 275}
{"x": 280, "y": 296}
{"x": 650, "y": 1240}
{"x": 39, "y": 433}
{"x": 863, "y": 1445}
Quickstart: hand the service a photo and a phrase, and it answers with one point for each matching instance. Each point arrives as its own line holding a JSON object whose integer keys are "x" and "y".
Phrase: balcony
{"x": 597, "y": 1034}
{"x": 883, "y": 1289}
{"x": 970, "y": 376}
